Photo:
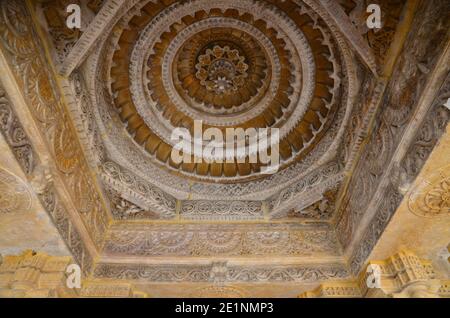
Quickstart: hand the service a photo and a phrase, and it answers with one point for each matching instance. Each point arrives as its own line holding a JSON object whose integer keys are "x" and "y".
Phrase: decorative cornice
{"x": 224, "y": 240}
{"x": 231, "y": 273}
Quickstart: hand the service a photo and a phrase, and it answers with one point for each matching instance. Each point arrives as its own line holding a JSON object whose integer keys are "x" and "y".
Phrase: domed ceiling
{"x": 139, "y": 70}
{"x": 236, "y": 64}
{"x": 231, "y": 65}
{"x": 163, "y": 65}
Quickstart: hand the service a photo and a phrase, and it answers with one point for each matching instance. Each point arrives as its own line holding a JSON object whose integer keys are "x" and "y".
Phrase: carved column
{"x": 34, "y": 274}
{"x": 403, "y": 275}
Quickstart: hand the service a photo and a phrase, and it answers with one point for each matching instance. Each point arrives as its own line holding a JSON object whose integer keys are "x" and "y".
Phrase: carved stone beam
{"x": 436, "y": 86}
{"x": 102, "y": 23}
{"x": 280, "y": 205}
{"x": 351, "y": 33}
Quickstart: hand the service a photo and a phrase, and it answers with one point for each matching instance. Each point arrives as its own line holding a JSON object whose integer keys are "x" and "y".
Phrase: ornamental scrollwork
{"x": 15, "y": 197}
{"x": 431, "y": 197}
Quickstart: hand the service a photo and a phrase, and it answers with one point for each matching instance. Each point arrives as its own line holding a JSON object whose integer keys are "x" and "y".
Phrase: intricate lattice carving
{"x": 221, "y": 210}
{"x": 15, "y": 135}
{"x": 201, "y": 273}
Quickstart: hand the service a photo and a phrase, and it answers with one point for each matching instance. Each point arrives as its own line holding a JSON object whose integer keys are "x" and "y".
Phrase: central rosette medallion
{"x": 221, "y": 70}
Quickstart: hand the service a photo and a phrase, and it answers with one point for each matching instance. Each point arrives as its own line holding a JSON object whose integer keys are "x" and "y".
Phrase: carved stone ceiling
{"x": 111, "y": 94}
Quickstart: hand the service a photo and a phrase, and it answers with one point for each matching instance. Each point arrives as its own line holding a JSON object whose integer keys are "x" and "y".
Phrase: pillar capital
{"x": 403, "y": 275}
{"x": 36, "y": 274}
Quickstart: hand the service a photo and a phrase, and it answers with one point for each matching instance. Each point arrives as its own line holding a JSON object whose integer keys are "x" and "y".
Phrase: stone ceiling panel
{"x": 141, "y": 69}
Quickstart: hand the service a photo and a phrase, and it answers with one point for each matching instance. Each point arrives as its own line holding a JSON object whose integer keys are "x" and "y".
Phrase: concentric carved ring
{"x": 231, "y": 64}
{"x": 221, "y": 70}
